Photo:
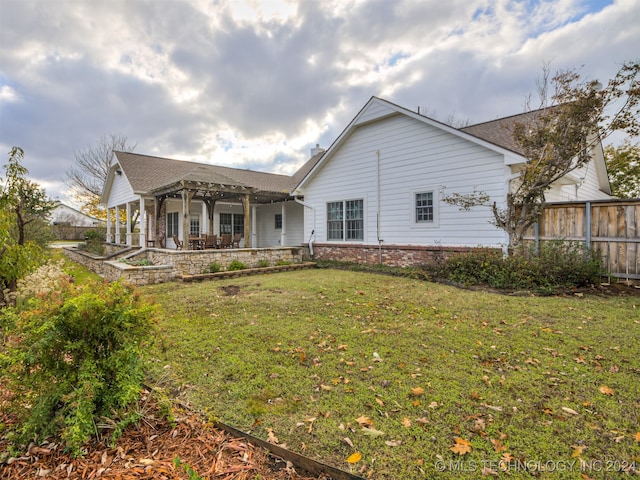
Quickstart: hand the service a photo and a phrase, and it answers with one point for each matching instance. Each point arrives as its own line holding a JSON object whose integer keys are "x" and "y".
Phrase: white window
{"x": 345, "y": 220}
{"x": 231, "y": 223}
{"x": 194, "y": 225}
{"x": 425, "y": 208}
{"x": 172, "y": 224}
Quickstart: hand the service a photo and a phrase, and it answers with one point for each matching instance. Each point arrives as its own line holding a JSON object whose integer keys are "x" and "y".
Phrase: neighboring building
{"x": 376, "y": 193}
{"x": 71, "y": 224}
{"x": 65, "y": 215}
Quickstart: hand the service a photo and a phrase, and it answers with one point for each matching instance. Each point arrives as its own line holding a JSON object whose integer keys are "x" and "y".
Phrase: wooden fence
{"x": 610, "y": 227}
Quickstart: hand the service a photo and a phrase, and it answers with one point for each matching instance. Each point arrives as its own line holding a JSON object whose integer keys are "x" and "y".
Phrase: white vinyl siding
{"x": 412, "y": 154}
{"x": 268, "y": 235}
{"x": 121, "y": 192}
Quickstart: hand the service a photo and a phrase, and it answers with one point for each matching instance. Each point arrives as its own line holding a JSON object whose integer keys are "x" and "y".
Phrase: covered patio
{"x": 167, "y": 199}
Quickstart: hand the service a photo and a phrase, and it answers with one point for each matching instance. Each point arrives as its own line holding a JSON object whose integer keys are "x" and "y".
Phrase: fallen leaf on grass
{"x": 570, "y": 411}
{"x": 417, "y": 391}
{"x": 354, "y": 457}
{"x": 348, "y": 441}
{"x": 577, "y": 450}
{"x": 607, "y": 390}
{"x": 637, "y": 437}
{"x": 488, "y": 471}
{"x": 406, "y": 422}
{"x": 364, "y": 421}
{"x": 498, "y": 446}
{"x": 394, "y": 443}
{"x": 461, "y": 447}
{"x": 271, "y": 437}
{"x": 372, "y": 432}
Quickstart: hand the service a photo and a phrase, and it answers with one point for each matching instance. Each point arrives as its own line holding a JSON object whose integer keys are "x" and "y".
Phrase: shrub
{"x": 263, "y": 264}
{"x": 46, "y": 278}
{"x": 556, "y": 265}
{"x": 94, "y": 235}
{"x": 214, "y": 267}
{"x": 236, "y": 265}
{"x": 141, "y": 262}
{"x": 73, "y": 357}
{"x": 282, "y": 263}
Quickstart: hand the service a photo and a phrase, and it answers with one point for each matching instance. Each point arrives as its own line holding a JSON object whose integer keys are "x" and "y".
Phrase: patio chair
{"x": 236, "y": 240}
{"x": 211, "y": 241}
{"x": 178, "y": 242}
{"x": 225, "y": 240}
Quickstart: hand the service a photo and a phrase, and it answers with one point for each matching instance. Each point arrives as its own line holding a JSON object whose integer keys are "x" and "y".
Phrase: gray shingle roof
{"x": 500, "y": 131}
{"x": 147, "y": 173}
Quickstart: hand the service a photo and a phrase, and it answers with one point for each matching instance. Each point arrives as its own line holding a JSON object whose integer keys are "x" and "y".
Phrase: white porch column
{"x": 128, "y": 226}
{"x": 108, "y": 237}
{"x": 283, "y": 232}
{"x": 204, "y": 225}
{"x": 143, "y": 224}
{"x": 254, "y": 230}
{"x": 247, "y": 219}
{"x": 117, "y": 220}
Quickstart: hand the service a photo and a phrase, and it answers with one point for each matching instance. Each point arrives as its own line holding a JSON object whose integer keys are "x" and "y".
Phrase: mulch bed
{"x": 188, "y": 448}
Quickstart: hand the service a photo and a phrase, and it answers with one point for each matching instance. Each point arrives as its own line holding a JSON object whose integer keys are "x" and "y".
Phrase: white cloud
{"x": 255, "y": 83}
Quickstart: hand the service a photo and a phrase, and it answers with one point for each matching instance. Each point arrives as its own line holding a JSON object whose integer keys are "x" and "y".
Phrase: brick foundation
{"x": 393, "y": 255}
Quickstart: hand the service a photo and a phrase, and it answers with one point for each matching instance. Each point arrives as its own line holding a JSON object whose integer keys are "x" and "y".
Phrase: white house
{"x": 65, "y": 215}
{"x": 374, "y": 195}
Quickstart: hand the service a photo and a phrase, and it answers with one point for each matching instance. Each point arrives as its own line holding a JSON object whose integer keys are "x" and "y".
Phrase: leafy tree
{"x": 573, "y": 116}
{"x": 623, "y": 164}
{"x": 90, "y": 170}
{"x": 23, "y": 204}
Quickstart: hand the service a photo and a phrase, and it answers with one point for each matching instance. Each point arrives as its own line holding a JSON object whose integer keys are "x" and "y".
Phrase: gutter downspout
{"x": 313, "y": 230}
{"x": 378, "y": 206}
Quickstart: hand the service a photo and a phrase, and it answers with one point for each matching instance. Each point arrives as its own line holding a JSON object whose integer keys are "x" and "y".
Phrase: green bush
{"x": 236, "y": 265}
{"x": 74, "y": 357}
{"x": 263, "y": 264}
{"x": 214, "y": 267}
{"x": 556, "y": 265}
{"x": 94, "y": 235}
{"x": 141, "y": 262}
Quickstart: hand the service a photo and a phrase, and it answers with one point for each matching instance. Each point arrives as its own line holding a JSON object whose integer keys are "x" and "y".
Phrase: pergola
{"x": 207, "y": 188}
{"x": 197, "y": 185}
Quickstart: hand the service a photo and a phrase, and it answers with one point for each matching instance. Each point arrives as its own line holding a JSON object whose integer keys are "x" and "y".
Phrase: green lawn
{"x": 333, "y": 363}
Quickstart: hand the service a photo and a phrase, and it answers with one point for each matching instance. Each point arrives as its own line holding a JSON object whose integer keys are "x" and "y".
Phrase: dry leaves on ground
{"x": 155, "y": 449}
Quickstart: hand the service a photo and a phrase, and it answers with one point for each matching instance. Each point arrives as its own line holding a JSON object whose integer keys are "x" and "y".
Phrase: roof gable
{"x": 377, "y": 109}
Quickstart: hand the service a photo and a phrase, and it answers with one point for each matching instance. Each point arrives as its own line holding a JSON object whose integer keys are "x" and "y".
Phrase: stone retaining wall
{"x": 192, "y": 262}
{"x": 169, "y": 264}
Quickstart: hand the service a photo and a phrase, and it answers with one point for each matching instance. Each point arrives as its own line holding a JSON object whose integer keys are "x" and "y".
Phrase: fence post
{"x": 536, "y": 234}
{"x": 587, "y": 206}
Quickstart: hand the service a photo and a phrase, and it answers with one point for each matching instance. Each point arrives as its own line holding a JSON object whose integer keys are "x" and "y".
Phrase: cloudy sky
{"x": 257, "y": 83}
